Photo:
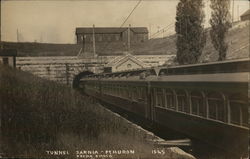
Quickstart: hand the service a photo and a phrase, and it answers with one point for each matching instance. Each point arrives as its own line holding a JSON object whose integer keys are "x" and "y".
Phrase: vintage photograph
{"x": 124, "y": 79}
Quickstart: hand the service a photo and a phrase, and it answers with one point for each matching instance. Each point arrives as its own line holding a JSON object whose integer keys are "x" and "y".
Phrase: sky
{"x": 54, "y": 21}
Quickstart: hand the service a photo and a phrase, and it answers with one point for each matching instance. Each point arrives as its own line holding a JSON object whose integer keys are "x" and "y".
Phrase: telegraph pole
{"x": 83, "y": 43}
{"x": 238, "y": 15}
{"x": 0, "y": 26}
{"x": 150, "y": 31}
{"x": 0, "y": 22}
{"x": 129, "y": 37}
{"x": 94, "y": 40}
{"x": 233, "y": 12}
{"x": 17, "y": 36}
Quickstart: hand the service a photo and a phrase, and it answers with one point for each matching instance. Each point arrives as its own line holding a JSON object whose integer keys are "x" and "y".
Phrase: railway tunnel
{"x": 77, "y": 78}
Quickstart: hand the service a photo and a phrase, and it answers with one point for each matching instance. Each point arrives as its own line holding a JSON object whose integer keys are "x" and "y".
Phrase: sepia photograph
{"x": 124, "y": 79}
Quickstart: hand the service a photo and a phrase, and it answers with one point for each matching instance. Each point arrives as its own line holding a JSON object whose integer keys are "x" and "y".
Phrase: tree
{"x": 191, "y": 37}
{"x": 220, "y": 23}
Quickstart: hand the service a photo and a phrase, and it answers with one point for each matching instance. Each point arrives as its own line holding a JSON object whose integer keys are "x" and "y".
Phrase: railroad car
{"x": 208, "y": 102}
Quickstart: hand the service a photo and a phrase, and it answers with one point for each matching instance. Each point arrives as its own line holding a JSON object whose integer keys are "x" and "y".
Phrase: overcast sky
{"x": 55, "y": 21}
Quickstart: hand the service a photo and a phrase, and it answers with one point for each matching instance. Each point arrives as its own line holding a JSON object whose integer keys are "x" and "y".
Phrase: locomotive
{"x": 208, "y": 101}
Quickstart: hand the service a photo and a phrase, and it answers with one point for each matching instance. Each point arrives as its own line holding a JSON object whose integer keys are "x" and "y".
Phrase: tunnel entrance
{"x": 77, "y": 78}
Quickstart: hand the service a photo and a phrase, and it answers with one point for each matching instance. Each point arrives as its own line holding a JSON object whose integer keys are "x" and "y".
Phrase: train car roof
{"x": 208, "y": 68}
{"x": 208, "y": 63}
{"x": 221, "y": 77}
{"x": 240, "y": 65}
{"x": 242, "y": 77}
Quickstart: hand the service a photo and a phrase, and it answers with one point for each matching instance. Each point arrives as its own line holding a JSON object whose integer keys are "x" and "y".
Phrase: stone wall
{"x": 63, "y": 68}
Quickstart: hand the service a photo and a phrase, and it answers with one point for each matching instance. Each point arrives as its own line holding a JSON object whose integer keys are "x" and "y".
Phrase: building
{"x": 245, "y": 16}
{"x": 106, "y": 34}
{"x": 8, "y": 57}
{"x": 123, "y": 63}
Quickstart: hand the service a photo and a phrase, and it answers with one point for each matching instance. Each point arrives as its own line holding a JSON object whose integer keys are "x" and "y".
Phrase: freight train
{"x": 208, "y": 102}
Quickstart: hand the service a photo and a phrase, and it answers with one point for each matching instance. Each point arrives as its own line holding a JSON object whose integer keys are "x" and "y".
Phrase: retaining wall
{"x": 63, "y": 68}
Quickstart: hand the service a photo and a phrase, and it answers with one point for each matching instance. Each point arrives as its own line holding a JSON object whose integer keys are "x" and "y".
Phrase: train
{"x": 207, "y": 101}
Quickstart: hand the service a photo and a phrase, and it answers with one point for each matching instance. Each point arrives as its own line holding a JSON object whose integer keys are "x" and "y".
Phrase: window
{"x": 117, "y": 37}
{"x": 144, "y": 93}
{"x": 100, "y": 38}
{"x": 244, "y": 110}
{"x": 5, "y": 60}
{"x": 133, "y": 93}
{"x": 109, "y": 38}
{"x": 126, "y": 92}
{"x": 159, "y": 97}
{"x": 197, "y": 104}
{"x": 239, "y": 109}
{"x": 170, "y": 99}
{"x": 141, "y": 94}
{"x": 216, "y": 106}
{"x": 182, "y": 101}
{"x": 235, "y": 112}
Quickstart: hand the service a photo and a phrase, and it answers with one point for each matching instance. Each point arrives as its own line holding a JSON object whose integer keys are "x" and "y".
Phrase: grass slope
{"x": 39, "y": 115}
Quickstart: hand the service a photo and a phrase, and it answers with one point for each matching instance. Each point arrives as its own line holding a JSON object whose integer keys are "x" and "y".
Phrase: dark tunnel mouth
{"x": 77, "y": 78}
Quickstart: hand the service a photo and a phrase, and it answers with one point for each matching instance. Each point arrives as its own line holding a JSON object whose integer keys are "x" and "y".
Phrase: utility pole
{"x": 0, "y": 24}
{"x": 129, "y": 37}
{"x": 0, "y": 28}
{"x": 233, "y": 12}
{"x": 17, "y": 36}
{"x": 238, "y": 15}
{"x": 150, "y": 31}
{"x": 41, "y": 38}
{"x": 94, "y": 40}
{"x": 83, "y": 43}
{"x": 67, "y": 73}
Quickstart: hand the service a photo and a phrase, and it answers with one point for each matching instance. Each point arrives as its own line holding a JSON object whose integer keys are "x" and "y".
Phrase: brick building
{"x": 106, "y": 34}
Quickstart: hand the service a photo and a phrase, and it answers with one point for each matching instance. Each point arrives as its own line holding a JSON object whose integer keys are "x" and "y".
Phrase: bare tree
{"x": 190, "y": 32}
{"x": 220, "y": 24}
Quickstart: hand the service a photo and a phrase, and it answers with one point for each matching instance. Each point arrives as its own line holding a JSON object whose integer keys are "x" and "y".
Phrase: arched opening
{"x": 77, "y": 78}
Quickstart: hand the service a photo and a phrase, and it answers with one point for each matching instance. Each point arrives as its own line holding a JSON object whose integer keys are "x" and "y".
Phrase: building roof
{"x": 110, "y": 30}
{"x": 121, "y": 59}
{"x": 8, "y": 52}
{"x": 246, "y": 13}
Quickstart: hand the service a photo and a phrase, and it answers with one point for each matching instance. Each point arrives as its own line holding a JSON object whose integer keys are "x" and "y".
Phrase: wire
{"x": 163, "y": 29}
{"x": 104, "y": 48}
{"x": 131, "y": 13}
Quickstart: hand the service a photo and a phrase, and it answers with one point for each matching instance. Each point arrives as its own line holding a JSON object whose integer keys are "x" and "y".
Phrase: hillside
{"x": 43, "y": 49}
{"x": 238, "y": 44}
{"x": 238, "y": 39}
